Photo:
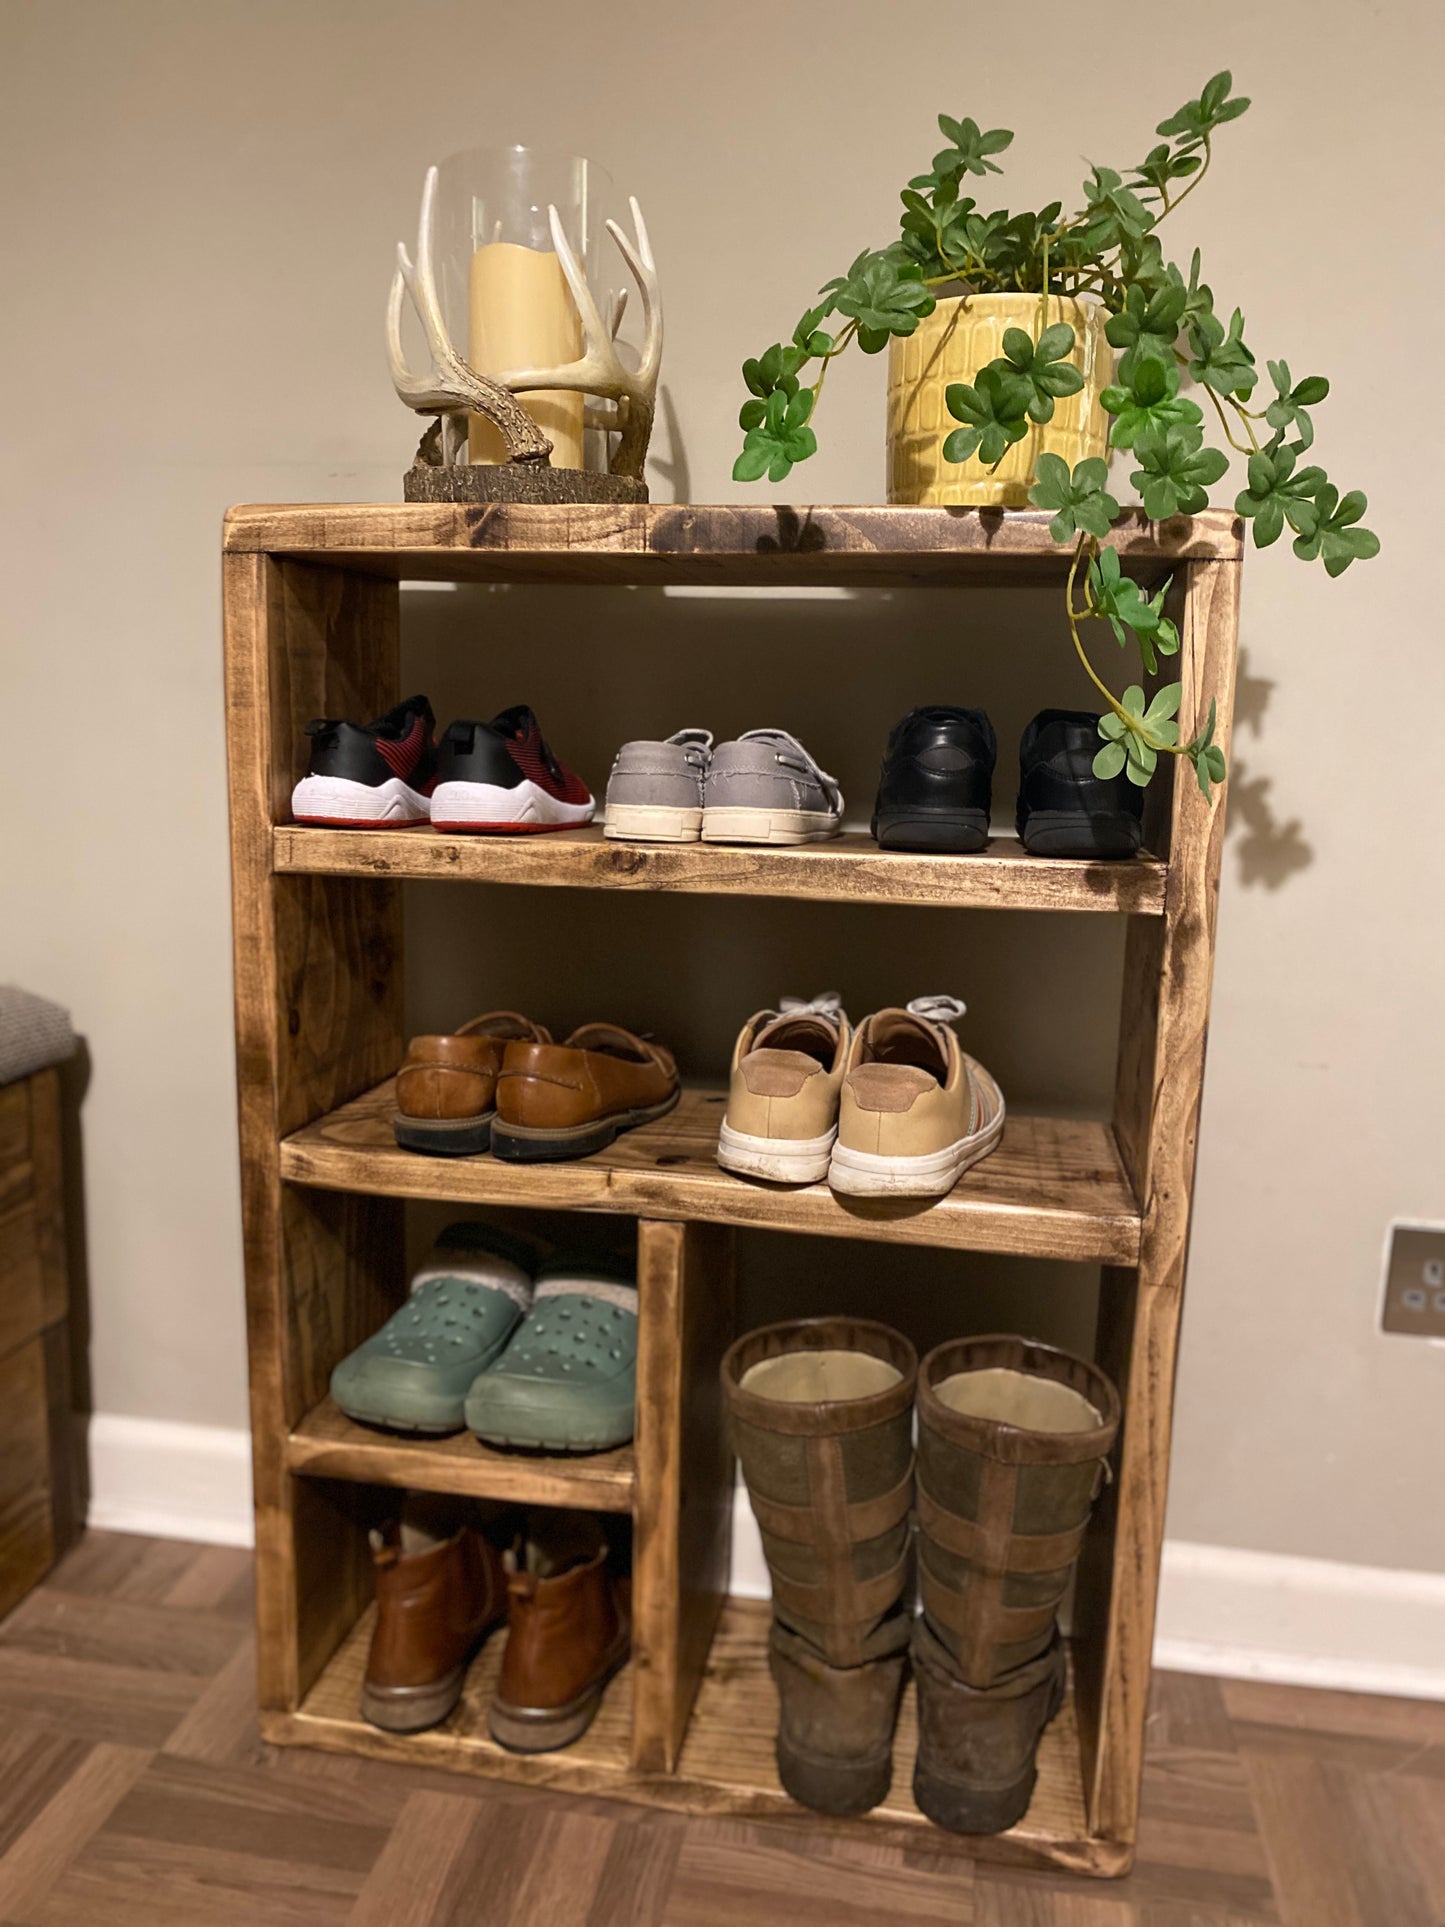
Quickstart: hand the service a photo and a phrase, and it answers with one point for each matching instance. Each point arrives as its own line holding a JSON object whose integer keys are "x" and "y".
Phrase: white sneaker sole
{"x": 869, "y": 1174}
{"x": 340, "y": 803}
{"x": 486, "y": 806}
{"x": 652, "y": 823}
{"x": 801, "y": 1160}
{"x": 730, "y": 825}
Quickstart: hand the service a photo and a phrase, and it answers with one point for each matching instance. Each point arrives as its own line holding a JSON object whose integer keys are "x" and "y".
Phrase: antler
{"x": 453, "y": 385}
{"x": 601, "y": 371}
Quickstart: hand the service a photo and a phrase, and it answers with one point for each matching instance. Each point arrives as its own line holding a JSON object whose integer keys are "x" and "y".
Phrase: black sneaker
{"x": 937, "y": 781}
{"x": 503, "y": 775}
{"x": 365, "y": 776}
{"x": 1064, "y": 809}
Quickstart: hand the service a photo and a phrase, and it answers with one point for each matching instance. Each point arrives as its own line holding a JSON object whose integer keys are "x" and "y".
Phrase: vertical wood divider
{"x": 1168, "y": 970}
{"x": 682, "y": 1509}
{"x": 318, "y": 1018}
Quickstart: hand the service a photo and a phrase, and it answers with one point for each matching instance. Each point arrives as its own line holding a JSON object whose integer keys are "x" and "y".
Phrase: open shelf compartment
{"x": 726, "y": 1765}
{"x": 1054, "y": 1188}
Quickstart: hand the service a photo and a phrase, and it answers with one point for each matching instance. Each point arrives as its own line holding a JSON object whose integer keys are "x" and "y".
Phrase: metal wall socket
{"x": 1415, "y": 1281}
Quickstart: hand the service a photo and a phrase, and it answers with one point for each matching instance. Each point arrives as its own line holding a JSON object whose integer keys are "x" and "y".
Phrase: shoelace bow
{"x": 938, "y": 1010}
{"x": 827, "y": 1005}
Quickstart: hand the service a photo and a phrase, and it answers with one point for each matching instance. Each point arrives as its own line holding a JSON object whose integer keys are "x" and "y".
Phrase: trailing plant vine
{"x": 1164, "y": 325}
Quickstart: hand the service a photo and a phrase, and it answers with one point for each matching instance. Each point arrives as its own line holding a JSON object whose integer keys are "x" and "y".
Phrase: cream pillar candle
{"x": 523, "y": 316}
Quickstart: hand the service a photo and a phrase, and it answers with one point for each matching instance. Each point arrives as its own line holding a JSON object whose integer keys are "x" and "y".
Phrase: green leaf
{"x": 1197, "y": 118}
{"x": 1109, "y": 761}
{"x": 1149, "y": 401}
{"x": 1276, "y": 492}
{"x": 995, "y": 407}
{"x": 1080, "y": 498}
{"x": 752, "y": 464}
{"x": 883, "y": 295}
{"x": 752, "y": 413}
{"x": 1147, "y": 325}
{"x": 1337, "y": 537}
{"x": 1042, "y": 371}
{"x": 971, "y": 149}
{"x": 1221, "y": 360}
{"x": 1174, "y": 471}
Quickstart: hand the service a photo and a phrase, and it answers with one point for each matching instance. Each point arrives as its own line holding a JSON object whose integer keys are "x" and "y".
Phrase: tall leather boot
{"x": 1012, "y": 1439}
{"x": 822, "y": 1422}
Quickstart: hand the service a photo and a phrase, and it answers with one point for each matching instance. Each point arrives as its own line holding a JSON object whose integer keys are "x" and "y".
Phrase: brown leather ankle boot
{"x": 568, "y": 1632}
{"x": 433, "y": 1607}
{"x": 822, "y": 1421}
{"x": 1012, "y": 1438}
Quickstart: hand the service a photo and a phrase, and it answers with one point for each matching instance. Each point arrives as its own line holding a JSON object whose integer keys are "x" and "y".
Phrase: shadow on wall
{"x": 1269, "y": 851}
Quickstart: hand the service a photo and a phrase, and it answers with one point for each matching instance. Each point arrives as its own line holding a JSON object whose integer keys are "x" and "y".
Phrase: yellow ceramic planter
{"x": 961, "y": 337}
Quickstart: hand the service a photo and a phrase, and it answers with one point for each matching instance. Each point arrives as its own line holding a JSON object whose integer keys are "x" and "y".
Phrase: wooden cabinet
{"x": 36, "y": 1456}
{"x": 312, "y": 629}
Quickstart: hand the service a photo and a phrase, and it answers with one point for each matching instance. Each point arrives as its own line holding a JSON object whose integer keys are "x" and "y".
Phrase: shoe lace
{"x": 938, "y": 1010}
{"x": 827, "y": 1005}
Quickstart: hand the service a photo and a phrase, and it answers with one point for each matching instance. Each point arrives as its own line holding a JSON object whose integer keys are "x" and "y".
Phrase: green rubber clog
{"x": 568, "y": 1380}
{"x": 414, "y": 1374}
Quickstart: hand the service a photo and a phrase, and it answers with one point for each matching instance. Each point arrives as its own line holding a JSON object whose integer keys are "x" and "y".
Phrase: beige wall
{"x": 200, "y": 203}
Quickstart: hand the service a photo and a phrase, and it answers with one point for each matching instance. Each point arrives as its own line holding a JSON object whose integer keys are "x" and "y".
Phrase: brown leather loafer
{"x": 446, "y": 1089}
{"x": 433, "y": 1608}
{"x": 567, "y": 1100}
{"x": 566, "y": 1636}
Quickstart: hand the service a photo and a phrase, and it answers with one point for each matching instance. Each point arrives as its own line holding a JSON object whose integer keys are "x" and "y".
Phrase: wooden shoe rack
{"x": 312, "y": 622}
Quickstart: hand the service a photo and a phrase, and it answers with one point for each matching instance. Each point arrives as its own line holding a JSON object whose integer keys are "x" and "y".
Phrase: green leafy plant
{"x": 1165, "y": 328}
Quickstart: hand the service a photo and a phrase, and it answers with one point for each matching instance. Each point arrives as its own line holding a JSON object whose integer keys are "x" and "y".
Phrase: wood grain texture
{"x": 1168, "y": 972}
{"x": 726, "y": 1767}
{"x": 682, "y": 1514}
{"x": 318, "y": 1016}
{"x": 37, "y": 1498}
{"x": 1054, "y": 1188}
{"x": 329, "y": 1445}
{"x": 733, "y": 543}
{"x": 849, "y": 869}
{"x": 1263, "y": 1806}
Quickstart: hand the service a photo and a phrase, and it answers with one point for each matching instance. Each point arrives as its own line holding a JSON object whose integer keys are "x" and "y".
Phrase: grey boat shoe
{"x": 655, "y": 792}
{"x": 465, "y": 1305}
{"x": 766, "y": 788}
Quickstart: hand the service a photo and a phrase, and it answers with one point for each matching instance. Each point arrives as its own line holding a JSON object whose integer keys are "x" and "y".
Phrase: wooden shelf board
{"x": 329, "y": 1445}
{"x": 1054, "y": 1188}
{"x": 725, "y": 544}
{"x": 726, "y": 1767}
{"x": 850, "y": 869}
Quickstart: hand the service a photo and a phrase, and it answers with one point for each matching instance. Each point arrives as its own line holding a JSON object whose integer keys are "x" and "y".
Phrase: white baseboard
{"x": 170, "y": 1480}
{"x": 1301, "y": 1622}
{"x": 1241, "y": 1615}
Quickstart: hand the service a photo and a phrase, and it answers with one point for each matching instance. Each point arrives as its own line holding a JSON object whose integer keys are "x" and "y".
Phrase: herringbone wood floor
{"x": 134, "y": 1792}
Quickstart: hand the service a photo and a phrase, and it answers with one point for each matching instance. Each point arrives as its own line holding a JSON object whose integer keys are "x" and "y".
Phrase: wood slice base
{"x": 517, "y": 482}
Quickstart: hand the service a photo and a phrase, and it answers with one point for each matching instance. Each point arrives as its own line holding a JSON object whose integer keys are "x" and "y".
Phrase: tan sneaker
{"x": 915, "y": 1111}
{"x": 782, "y": 1114}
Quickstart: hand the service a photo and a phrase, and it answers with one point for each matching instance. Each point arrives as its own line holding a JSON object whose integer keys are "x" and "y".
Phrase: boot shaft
{"x": 1012, "y": 1441}
{"x": 821, "y": 1413}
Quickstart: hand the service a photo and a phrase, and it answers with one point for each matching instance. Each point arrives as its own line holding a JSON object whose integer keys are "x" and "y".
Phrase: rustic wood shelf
{"x": 851, "y": 869}
{"x": 726, "y": 1765}
{"x": 329, "y": 1445}
{"x": 313, "y": 628}
{"x": 1055, "y": 1187}
{"x": 727, "y": 545}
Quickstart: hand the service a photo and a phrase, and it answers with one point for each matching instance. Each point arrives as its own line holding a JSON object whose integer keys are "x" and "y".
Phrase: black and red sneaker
{"x": 502, "y": 775}
{"x": 370, "y": 775}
